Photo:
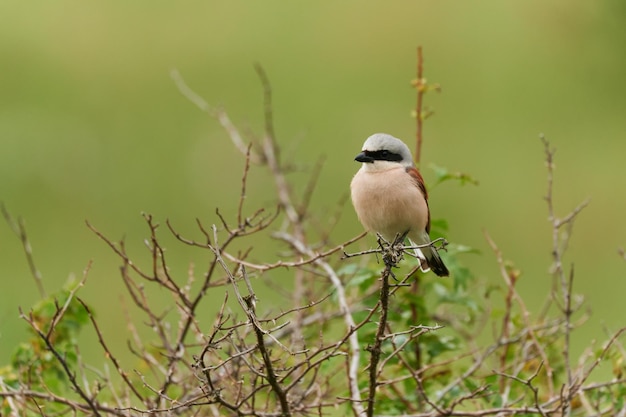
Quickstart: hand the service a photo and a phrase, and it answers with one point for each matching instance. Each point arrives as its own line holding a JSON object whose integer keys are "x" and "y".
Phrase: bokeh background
{"x": 93, "y": 127}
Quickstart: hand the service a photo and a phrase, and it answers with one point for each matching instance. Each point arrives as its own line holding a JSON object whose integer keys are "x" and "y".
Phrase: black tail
{"x": 434, "y": 262}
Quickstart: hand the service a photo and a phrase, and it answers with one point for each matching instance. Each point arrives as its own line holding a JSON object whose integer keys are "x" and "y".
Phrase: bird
{"x": 390, "y": 198}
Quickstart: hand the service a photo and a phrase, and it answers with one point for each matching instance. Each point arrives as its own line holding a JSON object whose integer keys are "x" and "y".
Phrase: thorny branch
{"x": 392, "y": 254}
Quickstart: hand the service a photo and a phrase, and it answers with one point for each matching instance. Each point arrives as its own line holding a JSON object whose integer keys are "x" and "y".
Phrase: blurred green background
{"x": 93, "y": 127}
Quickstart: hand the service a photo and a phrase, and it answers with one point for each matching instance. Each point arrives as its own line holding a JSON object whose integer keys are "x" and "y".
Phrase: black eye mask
{"x": 382, "y": 155}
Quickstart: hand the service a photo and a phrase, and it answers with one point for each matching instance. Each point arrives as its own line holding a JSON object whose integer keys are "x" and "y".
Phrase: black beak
{"x": 364, "y": 157}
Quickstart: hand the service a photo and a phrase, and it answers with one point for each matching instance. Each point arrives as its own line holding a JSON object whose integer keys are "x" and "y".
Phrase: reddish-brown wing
{"x": 419, "y": 182}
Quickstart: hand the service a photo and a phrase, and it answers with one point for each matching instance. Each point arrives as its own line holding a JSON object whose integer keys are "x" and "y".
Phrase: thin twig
{"x": 109, "y": 355}
{"x": 528, "y": 383}
{"x": 218, "y": 114}
{"x": 421, "y": 87}
{"x": 18, "y": 227}
{"x": 557, "y": 257}
{"x": 244, "y": 181}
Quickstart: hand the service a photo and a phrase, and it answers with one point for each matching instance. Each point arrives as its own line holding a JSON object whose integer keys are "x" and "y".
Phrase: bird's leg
{"x": 392, "y": 253}
{"x": 398, "y": 242}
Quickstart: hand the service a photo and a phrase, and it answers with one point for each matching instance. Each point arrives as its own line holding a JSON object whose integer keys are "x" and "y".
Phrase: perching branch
{"x": 392, "y": 255}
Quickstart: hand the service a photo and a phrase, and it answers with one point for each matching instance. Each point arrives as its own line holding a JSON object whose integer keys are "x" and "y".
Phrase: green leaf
{"x": 442, "y": 174}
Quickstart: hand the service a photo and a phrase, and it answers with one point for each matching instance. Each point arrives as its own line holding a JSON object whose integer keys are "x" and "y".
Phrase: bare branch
{"x": 220, "y": 115}
{"x": 18, "y": 227}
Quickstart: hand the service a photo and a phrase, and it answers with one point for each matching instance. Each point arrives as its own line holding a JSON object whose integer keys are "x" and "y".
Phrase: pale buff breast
{"x": 389, "y": 202}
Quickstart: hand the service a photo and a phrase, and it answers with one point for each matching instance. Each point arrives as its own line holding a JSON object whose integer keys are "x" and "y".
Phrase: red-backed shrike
{"x": 390, "y": 198}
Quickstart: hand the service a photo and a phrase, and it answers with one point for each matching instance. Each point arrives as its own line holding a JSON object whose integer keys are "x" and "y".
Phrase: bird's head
{"x": 382, "y": 151}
